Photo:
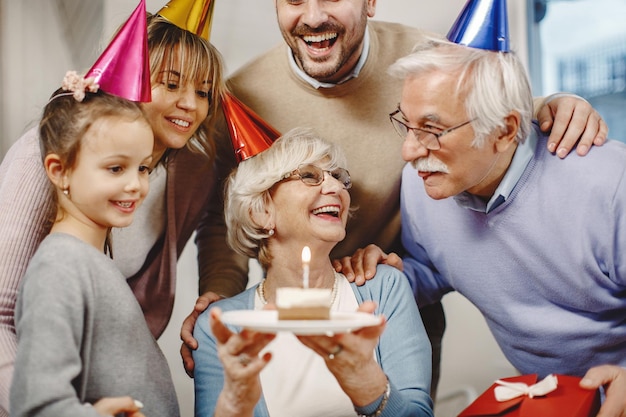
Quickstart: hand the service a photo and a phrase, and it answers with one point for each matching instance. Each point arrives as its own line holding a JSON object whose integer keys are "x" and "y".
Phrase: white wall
{"x": 34, "y": 61}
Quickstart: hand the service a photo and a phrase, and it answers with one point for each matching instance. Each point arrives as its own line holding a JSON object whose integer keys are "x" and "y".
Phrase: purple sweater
{"x": 547, "y": 268}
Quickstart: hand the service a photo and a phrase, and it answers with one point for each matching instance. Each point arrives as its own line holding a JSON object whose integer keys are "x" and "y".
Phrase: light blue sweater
{"x": 547, "y": 268}
{"x": 403, "y": 351}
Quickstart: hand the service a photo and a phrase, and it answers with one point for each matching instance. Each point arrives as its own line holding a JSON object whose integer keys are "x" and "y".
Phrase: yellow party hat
{"x": 192, "y": 15}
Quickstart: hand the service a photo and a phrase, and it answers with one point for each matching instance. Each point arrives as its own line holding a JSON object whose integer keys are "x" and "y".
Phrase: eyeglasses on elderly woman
{"x": 313, "y": 175}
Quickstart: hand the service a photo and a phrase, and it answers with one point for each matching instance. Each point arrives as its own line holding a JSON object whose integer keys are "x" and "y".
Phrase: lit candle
{"x": 306, "y": 258}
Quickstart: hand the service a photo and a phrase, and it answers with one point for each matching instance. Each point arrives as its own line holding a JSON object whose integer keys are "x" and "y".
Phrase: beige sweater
{"x": 354, "y": 115}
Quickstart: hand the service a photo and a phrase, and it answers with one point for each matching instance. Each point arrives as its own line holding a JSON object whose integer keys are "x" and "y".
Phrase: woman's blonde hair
{"x": 198, "y": 60}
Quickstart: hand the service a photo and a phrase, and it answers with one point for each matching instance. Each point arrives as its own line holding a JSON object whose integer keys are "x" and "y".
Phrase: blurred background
{"x": 568, "y": 45}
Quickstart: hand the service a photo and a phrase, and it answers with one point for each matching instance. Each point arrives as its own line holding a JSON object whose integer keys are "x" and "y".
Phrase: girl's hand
{"x": 110, "y": 406}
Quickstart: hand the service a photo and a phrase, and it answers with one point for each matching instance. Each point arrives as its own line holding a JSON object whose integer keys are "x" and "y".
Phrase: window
{"x": 579, "y": 46}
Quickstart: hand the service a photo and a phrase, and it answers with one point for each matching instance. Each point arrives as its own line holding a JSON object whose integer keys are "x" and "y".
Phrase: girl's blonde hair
{"x": 65, "y": 122}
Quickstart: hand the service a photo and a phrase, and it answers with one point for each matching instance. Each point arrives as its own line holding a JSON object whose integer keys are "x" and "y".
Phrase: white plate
{"x": 267, "y": 321}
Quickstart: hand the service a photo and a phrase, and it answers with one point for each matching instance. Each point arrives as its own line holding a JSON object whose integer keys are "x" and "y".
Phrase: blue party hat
{"x": 482, "y": 24}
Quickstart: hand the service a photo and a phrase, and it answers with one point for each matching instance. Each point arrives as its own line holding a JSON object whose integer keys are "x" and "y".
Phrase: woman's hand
{"x": 572, "y": 122}
{"x": 239, "y": 354}
{"x": 361, "y": 266}
{"x": 350, "y": 358}
{"x": 111, "y": 406}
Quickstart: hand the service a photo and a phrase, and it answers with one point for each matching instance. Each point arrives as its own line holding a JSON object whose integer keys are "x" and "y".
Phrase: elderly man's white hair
{"x": 496, "y": 82}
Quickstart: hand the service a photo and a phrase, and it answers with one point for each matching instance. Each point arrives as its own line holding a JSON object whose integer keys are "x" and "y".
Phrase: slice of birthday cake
{"x": 303, "y": 303}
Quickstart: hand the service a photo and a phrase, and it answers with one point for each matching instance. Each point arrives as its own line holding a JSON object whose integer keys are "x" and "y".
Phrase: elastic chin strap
{"x": 493, "y": 164}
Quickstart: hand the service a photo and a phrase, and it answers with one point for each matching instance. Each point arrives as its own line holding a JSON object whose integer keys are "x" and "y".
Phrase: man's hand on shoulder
{"x": 186, "y": 332}
{"x": 361, "y": 266}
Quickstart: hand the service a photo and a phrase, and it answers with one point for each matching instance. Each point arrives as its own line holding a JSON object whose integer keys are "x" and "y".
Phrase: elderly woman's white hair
{"x": 248, "y": 187}
{"x": 496, "y": 81}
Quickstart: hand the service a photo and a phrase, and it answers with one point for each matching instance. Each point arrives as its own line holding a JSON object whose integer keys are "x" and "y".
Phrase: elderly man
{"x": 538, "y": 247}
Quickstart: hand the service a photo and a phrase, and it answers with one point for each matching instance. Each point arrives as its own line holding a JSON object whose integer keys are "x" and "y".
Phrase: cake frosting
{"x": 303, "y": 303}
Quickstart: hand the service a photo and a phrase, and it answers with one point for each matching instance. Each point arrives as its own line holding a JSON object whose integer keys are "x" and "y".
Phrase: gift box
{"x": 565, "y": 399}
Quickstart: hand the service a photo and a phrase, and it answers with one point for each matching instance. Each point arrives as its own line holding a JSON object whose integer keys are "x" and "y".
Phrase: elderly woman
{"x": 292, "y": 195}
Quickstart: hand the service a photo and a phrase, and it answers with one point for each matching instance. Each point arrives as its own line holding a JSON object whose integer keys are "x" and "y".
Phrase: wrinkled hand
{"x": 350, "y": 358}
{"x": 186, "y": 331}
{"x": 571, "y": 119}
{"x": 111, "y": 406}
{"x": 362, "y": 265}
{"x": 613, "y": 378}
{"x": 239, "y": 354}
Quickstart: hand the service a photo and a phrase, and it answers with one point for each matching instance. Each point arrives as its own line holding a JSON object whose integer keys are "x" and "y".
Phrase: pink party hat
{"x": 250, "y": 134}
{"x": 123, "y": 69}
{"x": 482, "y": 24}
{"x": 192, "y": 15}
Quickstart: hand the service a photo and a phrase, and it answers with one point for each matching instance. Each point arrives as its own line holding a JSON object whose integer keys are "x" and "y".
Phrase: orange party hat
{"x": 249, "y": 133}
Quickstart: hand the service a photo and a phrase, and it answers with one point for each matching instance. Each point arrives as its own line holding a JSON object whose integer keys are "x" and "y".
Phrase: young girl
{"x": 82, "y": 337}
{"x": 186, "y": 78}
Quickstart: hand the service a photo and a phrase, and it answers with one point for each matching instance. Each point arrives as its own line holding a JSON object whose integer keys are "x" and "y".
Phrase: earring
{"x": 270, "y": 232}
{"x": 66, "y": 192}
